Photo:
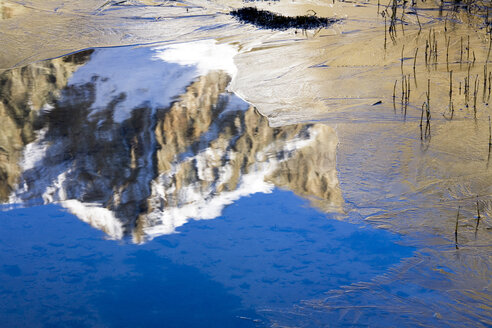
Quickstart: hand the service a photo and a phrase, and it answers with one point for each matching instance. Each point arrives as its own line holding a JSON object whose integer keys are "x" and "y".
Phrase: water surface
{"x": 264, "y": 253}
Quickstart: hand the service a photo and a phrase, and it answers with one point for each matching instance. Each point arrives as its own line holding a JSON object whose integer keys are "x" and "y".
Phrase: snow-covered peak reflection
{"x": 200, "y": 186}
{"x": 128, "y": 78}
{"x": 141, "y": 162}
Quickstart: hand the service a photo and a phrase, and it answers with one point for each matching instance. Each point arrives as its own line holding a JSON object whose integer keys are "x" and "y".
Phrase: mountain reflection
{"x": 104, "y": 143}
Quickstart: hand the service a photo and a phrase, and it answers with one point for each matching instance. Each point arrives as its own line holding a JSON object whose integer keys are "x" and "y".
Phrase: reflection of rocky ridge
{"x": 212, "y": 153}
{"x": 23, "y": 91}
{"x": 152, "y": 172}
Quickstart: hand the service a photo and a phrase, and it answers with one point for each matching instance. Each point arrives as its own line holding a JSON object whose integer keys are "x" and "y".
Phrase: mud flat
{"x": 381, "y": 119}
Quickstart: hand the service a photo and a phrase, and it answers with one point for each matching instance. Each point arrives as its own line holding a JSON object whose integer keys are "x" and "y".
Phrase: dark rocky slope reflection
{"x": 22, "y": 93}
{"x": 150, "y": 173}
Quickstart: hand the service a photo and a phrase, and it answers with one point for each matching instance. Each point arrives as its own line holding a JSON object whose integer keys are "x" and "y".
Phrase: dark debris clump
{"x": 269, "y": 20}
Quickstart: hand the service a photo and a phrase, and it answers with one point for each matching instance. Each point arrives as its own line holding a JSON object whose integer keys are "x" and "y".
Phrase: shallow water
{"x": 242, "y": 176}
{"x": 267, "y": 251}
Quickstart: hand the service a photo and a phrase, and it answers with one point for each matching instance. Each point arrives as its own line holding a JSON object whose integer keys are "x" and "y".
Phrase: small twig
{"x": 402, "y": 49}
{"x": 447, "y": 54}
{"x": 394, "y": 96}
{"x": 478, "y": 219}
{"x": 456, "y": 228}
{"x": 490, "y": 143}
{"x": 418, "y": 21}
{"x": 385, "y": 38}
{"x": 490, "y": 44}
{"x": 475, "y": 91}
{"x": 484, "y": 82}
{"x": 461, "y": 51}
{"x": 421, "y": 119}
{"x": 451, "y": 107}
{"x": 414, "y": 65}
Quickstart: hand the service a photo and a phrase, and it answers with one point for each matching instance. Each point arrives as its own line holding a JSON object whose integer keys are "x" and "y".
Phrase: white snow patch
{"x": 204, "y": 208}
{"x": 150, "y": 77}
{"x": 56, "y": 190}
{"x": 206, "y": 55}
{"x": 95, "y": 215}
{"x": 136, "y": 75}
{"x": 34, "y": 152}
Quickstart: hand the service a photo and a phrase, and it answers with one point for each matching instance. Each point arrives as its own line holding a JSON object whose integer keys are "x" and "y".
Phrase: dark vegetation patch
{"x": 79, "y": 58}
{"x": 269, "y": 20}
